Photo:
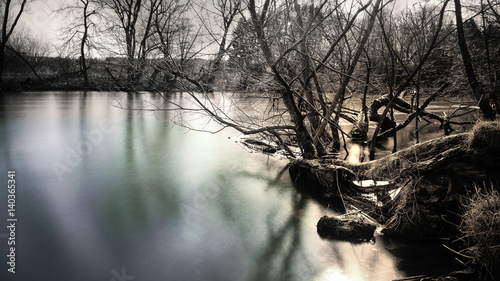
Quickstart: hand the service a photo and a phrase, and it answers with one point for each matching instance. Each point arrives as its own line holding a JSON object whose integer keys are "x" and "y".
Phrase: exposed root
{"x": 430, "y": 177}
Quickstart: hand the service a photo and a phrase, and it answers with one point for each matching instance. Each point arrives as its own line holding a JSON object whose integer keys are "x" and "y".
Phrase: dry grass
{"x": 481, "y": 229}
{"x": 485, "y": 136}
{"x": 388, "y": 168}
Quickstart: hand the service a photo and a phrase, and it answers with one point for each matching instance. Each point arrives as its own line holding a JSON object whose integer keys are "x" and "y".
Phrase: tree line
{"x": 312, "y": 56}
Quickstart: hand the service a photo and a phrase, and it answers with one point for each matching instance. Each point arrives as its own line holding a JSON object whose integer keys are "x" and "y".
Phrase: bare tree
{"x": 491, "y": 14}
{"x": 168, "y": 22}
{"x": 290, "y": 39}
{"x": 133, "y": 21}
{"x": 225, "y": 14}
{"x": 31, "y": 49}
{"x": 11, "y": 12}
{"x": 400, "y": 47}
{"x": 410, "y": 75}
{"x": 481, "y": 33}
{"x": 78, "y": 34}
{"x": 312, "y": 138}
{"x": 87, "y": 23}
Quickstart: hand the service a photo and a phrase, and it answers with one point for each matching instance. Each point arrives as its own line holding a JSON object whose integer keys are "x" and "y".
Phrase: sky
{"x": 39, "y": 18}
{"x": 44, "y": 24}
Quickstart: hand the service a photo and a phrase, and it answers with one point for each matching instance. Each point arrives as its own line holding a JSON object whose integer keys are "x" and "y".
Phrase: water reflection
{"x": 281, "y": 248}
{"x": 357, "y": 152}
{"x": 155, "y": 201}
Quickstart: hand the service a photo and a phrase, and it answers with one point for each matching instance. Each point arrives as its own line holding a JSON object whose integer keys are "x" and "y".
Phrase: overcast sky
{"x": 41, "y": 20}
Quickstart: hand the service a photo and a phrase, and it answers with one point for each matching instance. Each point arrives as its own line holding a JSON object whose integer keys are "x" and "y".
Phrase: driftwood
{"x": 360, "y": 126}
{"x": 347, "y": 230}
{"x": 430, "y": 179}
{"x": 399, "y": 105}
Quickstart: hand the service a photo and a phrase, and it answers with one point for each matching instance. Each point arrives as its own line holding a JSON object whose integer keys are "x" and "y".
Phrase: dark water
{"x": 104, "y": 194}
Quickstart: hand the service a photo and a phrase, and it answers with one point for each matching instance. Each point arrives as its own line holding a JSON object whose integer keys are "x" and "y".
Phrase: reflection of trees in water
{"x": 134, "y": 206}
{"x": 292, "y": 227}
{"x": 283, "y": 247}
{"x": 281, "y": 256}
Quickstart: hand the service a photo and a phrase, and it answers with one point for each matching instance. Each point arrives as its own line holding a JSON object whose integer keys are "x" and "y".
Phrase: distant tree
{"x": 30, "y": 45}
{"x": 244, "y": 55}
{"x": 131, "y": 22}
{"x": 224, "y": 14}
{"x": 65, "y": 67}
{"x": 185, "y": 48}
{"x": 169, "y": 21}
{"x": 26, "y": 50}
{"x": 79, "y": 31}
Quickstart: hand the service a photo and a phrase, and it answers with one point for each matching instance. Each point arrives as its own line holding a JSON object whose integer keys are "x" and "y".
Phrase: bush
{"x": 485, "y": 136}
{"x": 481, "y": 229}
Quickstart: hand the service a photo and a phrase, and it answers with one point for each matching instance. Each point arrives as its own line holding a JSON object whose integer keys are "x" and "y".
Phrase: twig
{"x": 416, "y": 277}
{"x": 458, "y": 253}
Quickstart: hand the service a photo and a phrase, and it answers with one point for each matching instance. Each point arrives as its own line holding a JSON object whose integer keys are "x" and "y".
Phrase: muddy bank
{"x": 428, "y": 182}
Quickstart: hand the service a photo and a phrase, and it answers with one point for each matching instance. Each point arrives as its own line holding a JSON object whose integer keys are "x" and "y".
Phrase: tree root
{"x": 429, "y": 178}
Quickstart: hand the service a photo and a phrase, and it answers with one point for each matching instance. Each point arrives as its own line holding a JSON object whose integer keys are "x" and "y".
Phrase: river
{"x": 104, "y": 194}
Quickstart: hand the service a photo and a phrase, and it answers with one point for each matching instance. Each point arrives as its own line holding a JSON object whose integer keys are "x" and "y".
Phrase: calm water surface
{"x": 110, "y": 194}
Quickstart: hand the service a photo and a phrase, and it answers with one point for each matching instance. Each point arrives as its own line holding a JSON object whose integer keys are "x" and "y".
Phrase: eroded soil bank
{"x": 427, "y": 185}
{"x": 426, "y": 192}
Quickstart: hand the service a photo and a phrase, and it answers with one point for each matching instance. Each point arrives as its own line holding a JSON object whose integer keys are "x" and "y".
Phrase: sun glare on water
{"x": 332, "y": 274}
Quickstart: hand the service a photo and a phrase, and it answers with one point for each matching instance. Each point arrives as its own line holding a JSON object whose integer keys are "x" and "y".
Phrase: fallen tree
{"x": 359, "y": 130}
{"x": 423, "y": 185}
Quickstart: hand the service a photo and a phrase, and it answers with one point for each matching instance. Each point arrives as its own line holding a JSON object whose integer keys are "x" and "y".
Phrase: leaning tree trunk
{"x": 304, "y": 138}
{"x": 477, "y": 88}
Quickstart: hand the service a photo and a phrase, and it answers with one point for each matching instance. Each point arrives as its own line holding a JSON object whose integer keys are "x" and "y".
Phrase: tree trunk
{"x": 2, "y": 64}
{"x": 304, "y": 138}
{"x": 7, "y": 30}
{"x": 339, "y": 96}
{"x": 475, "y": 85}
{"x": 83, "y": 59}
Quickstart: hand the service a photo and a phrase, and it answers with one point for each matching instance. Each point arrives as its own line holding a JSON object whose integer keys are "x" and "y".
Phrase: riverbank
{"x": 437, "y": 185}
